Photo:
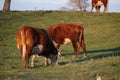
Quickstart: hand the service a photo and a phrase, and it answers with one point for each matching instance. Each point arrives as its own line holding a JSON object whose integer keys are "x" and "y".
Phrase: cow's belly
{"x": 64, "y": 41}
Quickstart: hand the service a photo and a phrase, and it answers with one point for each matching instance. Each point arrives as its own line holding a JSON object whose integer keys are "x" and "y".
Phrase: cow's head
{"x": 54, "y": 57}
{"x": 99, "y": 3}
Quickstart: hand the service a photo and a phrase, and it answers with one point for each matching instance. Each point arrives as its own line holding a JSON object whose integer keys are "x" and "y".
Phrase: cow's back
{"x": 61, "y": 31}
{"x": 95, "y": 1}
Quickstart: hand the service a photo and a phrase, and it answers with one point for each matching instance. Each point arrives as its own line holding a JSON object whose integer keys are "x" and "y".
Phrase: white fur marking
{"x": 37, "y": 49}
{"x": 24, "y": 50}
{"x": 55, "y": 44}
{"x": 66, "y": 41}
{"x": 99, "y": 3}
{"x": 40, "y": 46}
{"x": 18, "y": 47}
{"x": 59, "y": 53}
{"x": 32, "y": 61}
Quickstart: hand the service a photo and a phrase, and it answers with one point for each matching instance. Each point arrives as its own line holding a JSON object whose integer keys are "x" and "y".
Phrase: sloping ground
{"x": 102, "y": 35}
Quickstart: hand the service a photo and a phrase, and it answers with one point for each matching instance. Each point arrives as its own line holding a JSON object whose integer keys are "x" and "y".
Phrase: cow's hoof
{"x": 75, "y": 57}
{"x": 26, "y": 67}
{"x": 32, "y": 65}
{"x": 85, "y": 58}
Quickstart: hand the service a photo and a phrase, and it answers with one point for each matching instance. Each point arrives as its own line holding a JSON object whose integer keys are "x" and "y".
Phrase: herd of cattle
{"x": 33, "y": 41}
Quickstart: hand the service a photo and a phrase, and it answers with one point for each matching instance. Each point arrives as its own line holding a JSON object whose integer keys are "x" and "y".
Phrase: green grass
{"x": 102, "y": 35}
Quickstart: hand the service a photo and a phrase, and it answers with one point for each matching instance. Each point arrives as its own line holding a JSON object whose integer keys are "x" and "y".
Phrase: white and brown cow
{"x": 98, "y": 3}
{"x": 64, "y": 33}
{"x": 31, "y": 41}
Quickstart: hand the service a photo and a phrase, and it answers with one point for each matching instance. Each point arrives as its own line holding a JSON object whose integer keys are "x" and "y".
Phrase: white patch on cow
{"x": 55, "y": 44}
{"x": 59, "y": 53}
{"x": 46, "y": 61}
{"x": 99, "y": 3}
{"x": 37, "y": 49}
{"x": 66, "y": 41}
{"x": 18, "y": 47}
{"x": 98, "y": 77}
{"x": 24, "y": 50}
{"x": 40, "y": 46}
{"x": 32, "y": 61}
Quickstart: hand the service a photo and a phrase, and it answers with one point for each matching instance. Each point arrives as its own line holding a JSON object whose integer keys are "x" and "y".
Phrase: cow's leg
{"x": 46, "y": 61}
{"x": 23, "y": 57}
{"x": 105, "y": 8}
{"x": 32, "y": 60}
{"x": 75, "y": 46}
{"x": 83, "y": 46}
{"x": 26, "y": 57}
{"x": 99, "y": 8}
{"x": 92, "y": 8}
{"x": 25, "y": 60}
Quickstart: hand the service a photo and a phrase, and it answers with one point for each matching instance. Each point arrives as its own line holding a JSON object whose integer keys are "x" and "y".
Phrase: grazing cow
{"x": 65, "y": 33}
{"x": 31, "y": 41}
{"x": 98, "y": 3}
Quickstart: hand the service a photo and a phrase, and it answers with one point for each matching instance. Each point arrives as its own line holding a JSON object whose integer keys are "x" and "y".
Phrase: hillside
{"x": 102, "y": 36}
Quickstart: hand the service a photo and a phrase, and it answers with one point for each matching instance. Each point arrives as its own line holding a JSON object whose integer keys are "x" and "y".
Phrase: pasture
{"x": 102, "y": 36}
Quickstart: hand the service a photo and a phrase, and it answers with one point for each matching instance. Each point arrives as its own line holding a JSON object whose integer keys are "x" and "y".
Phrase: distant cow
{"x": 98, "y": 3}
{"x": 31, "y": 41}
{"x": 65, "y": 33}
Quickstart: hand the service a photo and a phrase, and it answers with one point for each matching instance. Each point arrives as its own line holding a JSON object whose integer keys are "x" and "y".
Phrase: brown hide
{"x": 97, "y": 7}
{"x": 73, "y": 32}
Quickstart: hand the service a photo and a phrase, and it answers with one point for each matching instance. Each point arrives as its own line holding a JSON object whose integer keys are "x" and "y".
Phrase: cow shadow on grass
{"x": 95, "y": 54}
{"x": 105, "y": 52}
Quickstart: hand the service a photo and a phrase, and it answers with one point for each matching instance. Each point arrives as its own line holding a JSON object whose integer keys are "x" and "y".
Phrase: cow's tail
{"x": 81, "y": 35}
{"x": 23, "y": 36}
{"x": 82, "y": 41}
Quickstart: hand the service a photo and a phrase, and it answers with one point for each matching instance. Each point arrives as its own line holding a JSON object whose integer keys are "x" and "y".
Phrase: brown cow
{"x": 65, "y": 33}
{"x": 98, "y": 3}
{"x": 31, "y": 41}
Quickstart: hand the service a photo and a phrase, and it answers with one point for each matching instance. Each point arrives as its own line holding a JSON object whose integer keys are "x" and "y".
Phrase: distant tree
{"x": 79, "y": 5}
{"x": 6, "y": 6}
{"x": 64, "y": 8}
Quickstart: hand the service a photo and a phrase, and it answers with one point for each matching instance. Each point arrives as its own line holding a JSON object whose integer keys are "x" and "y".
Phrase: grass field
{"x": 102, "y": 35}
